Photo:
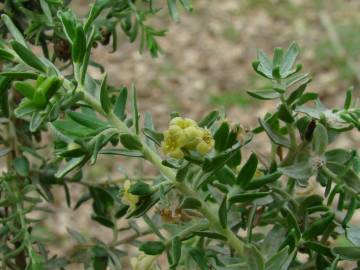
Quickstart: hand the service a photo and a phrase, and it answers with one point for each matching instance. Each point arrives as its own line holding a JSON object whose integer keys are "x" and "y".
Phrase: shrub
{"x": 217, "y": 209}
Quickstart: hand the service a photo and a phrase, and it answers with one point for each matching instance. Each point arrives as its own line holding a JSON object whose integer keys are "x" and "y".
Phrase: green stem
{"x": 169, "y": 174}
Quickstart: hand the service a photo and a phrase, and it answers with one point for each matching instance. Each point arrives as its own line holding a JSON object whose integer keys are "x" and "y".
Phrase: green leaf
{"x": 36, "y": 261}
{"x": 319, "y": 248}
{"x": 320, "y": 139}
{"x": 68, "y": 21}
{"x": 222, "y": 213}
{"x": 121, "y": 152}
{"x": 152, "y": 247}
{"x": 351, "y": 211}
{"x": 199, "y": 257}
{"x": 182, "y": 172}
{"x": 131, "y": 142}
{"x": 186, "y": 4}
{"x": 28, "y": 56}
{"x": 254, "y": 259}
{"x": 190, "y": 203}
{"x": 24, "y": 88}
{"x": 13, "y": 30}
{"x": 284, "y": 114}
{"x": 278, "y": 55}
{"x": 247, "y": 172}
{"x": 22, "y": 166}
{"x": 267, "y": 94}
{"x": 173, "y": 10}
{"x": 319, "y": 226}
{"x": 79, "y": 45}
{"x": 104, "y": 97}
{"x": 211, "y": 235}
{"x": 87, "y": 120}
{"x": 259, "y": 182}
{"x": 140, "y": 189}
{"x": 306, "y": 97}
{"x": 349, "y": 97}
{"x": 347, "y": 253}
{"x": 281, "y": 260}
{"x": 71, "y": 165}
{"x": 247, "y": 197}
{"x": 289, "y": 59}
{"x": 353, "y": 234}
{"x": 120, "y": 104}
{"x": 221, "y": 135}
{"x": 302, "y": 170}
{"x": 46, "y": 10}
{"x": 274, "y": 136}
{"x": 209, "y": 119}
{"x": 175, "y": 251}
{"x": 154, "y": 136}
{"x": 265, "y": 65}
{"x": 135, "y": 111}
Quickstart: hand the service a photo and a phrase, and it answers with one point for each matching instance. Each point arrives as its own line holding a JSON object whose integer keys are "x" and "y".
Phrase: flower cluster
{"x": 185, "y": 134}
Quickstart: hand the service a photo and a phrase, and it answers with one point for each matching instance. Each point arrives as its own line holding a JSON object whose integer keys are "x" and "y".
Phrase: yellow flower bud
{"x": 127, "y": 198}
{"x": 193, "y": 136}
{"x": 206, "y": 143}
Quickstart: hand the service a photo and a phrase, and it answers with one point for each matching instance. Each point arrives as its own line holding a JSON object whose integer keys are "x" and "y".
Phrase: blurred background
{"x": 206, "y": 64}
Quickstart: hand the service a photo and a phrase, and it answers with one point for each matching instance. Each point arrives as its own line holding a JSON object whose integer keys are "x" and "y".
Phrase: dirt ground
{"x": 207, "y": 64}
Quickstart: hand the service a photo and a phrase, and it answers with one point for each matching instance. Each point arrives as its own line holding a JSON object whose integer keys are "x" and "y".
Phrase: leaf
{"x": 68, "y": 21}
{"x": 182, "y": 172}
{"x": 267, "y": 94}
{"x": 273, "y": 135}
{"x": 209, "y": 119}
{"x": 259, "y": 182}
{"x": 199, "y": 257}
{"x": 135, "y": 111}
{"x": 22, "y": 166}
{"x": 254, "y": 259}
{"x": 190, "y": 203}
{"x": 173, "y": 10}
{"x": 280, "y": 261}
{"x": 152, "y": 247}
{"x": 121, "y": 152}
{"x": 87, "y": 120}
{"x": 247, "y": 197}
{"x": 265, "y": 65}
{"x": 353, "y": 234}
{"x": 28, "y": 56}
{"x": 175, "y": 251}
{"x": 349, "y": 97}
{"x": 154, "y": 136}
{"x": 211, "y": 235}
{"x": 319, "y": 226}
{"x": 79, "y": 45}
{"x": 319, "y": 248}
{"x": 221, "y": 135}
{"x": 46, "y": 10}
{"x": 351, "y": 211}
{"x": 71, "y": 165}
{"x": 320, "y": 139}
{"x": 13, "y": 29}
{"x": 131, "y": 142}
{"x": 104, "y": 97}
{"x": 24, "y": 88}
{"x": 302, "y": 170}
{"x": 222, "y": 213}
{"x": 36, "y": 261}
{"x": 284, "y": 114}
{"x": 120, "y": 104}
{"x": 247, "y": 172}
{"x": 347, "y": 253}
{"x": 289, "y": 59}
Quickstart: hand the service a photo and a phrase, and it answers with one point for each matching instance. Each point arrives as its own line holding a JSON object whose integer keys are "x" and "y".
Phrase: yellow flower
{"x": 143, "y": 262}
{"x": 193, "y": 136}
{"x": 183, "y": 122}
{"x": 174, "y": 139}
{"x": 206, "y": 143}
{"x": 127, "y": 198}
